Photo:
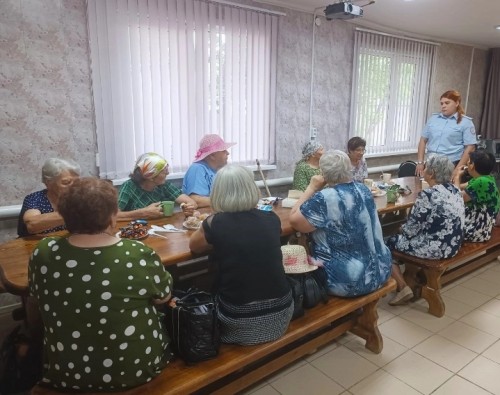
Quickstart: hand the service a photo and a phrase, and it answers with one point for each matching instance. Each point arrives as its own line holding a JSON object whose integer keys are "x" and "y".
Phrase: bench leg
{"x": 366, "y": 328}
{"x": 431, "y": 292}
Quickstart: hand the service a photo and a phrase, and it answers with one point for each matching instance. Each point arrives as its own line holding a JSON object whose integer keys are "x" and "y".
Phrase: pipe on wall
{"x": 9, "y": 212}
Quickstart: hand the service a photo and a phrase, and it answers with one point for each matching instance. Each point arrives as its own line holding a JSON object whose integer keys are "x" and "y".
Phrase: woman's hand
{"x": 457, "y": 174}
{"x": 188, "y": 209}
{"x": 154, "y": 210}
{"x": 317, "y": 183}
{"x": 419, "y": 170}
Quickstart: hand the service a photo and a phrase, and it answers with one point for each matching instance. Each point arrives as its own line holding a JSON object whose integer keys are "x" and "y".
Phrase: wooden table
{"x": 14, "y": 254}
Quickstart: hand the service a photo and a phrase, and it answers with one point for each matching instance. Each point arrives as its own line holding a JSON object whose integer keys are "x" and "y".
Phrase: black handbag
{"x": 298, "y": 297}
{"x": 193, "y": 325}
{"x": 314, "y": 287}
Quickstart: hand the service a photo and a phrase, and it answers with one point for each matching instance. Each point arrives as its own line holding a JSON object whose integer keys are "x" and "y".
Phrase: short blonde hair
{"x": 234, "y": 190}
{"x": 336, "y": 167}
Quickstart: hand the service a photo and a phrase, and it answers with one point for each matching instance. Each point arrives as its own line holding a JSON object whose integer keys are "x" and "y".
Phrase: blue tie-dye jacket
{"x": 348, "y": 238}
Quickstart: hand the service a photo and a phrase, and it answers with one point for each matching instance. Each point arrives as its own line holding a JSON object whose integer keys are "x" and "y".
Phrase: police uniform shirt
{"x": 447, "y": 137}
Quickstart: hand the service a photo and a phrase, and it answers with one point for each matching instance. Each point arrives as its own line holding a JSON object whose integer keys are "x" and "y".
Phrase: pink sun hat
{"x": 209, "y": 144}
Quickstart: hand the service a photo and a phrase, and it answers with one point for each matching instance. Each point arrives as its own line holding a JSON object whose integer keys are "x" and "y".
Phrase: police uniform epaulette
{"x": 466, "y": 116}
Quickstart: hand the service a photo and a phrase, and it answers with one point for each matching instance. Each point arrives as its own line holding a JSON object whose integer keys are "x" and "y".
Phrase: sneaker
{"x": 402, "y": 297}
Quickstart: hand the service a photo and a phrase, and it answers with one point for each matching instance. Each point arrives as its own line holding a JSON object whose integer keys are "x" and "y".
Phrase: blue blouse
{"x": 447, "y": 137}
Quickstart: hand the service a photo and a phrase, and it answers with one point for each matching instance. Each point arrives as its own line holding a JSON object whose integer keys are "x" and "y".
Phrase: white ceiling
{"x": 470, "y": 22}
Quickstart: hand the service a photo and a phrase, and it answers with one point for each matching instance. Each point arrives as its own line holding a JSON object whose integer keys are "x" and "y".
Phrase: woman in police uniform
{"x": 450, "y": 133}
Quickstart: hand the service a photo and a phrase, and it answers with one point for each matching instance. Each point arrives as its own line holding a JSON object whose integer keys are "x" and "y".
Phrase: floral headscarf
{"x": 150, "y": 164}
{"x": 310, "y": 148}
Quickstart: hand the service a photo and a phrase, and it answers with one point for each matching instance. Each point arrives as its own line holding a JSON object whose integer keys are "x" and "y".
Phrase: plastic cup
{"x": 168, "y": 208}
{"x": 386, "y": 177}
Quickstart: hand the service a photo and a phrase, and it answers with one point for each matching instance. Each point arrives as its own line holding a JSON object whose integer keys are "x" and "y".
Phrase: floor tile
{"x": 419, "y": 315}
{"x": 263, "y": 389}
{"x": 492, "y": 307}
{"x": 493, "y": 352}
{"x": 467, "y": 296}
{"x": 445, "y": 353}
{"x": 482, "y": 285}
{"x": 306, "y": 380}
{"x": 382, "y": 382}
{"x": 455, "y": 309}
{"x": 346, "y": 337}
{"x": 390, "y": 351}
{"x": 458, "y": 386}
{"x": 491, "y": 275}
{"x": 322, "y": 350}
{"x": 344, "y": 366}
{"x": 384, "y": 315}
{"x": 484, "y": 373}
{"x": 412, "y": 368}
{"x": 468, "y": 336}
{"x": 483, "y": 321}
{"x": 286, "y": 370}
{"x": 404, "y": 332}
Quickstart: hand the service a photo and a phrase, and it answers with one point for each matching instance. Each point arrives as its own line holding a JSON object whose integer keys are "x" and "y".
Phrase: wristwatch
{"x": 419, "y": 162}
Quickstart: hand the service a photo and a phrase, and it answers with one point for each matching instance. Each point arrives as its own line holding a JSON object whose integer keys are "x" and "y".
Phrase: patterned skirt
{"x": 253, "y": 323}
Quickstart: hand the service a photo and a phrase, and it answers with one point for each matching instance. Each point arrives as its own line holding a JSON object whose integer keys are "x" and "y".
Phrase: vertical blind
{"x": 166, "y": 72}
{"x": 391, "y": 83}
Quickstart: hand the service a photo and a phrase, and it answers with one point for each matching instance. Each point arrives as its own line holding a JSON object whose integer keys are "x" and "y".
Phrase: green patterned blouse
{"x": 303, "y": 174}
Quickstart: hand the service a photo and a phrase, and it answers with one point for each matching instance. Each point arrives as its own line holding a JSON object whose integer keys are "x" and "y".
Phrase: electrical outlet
{"x": 314, "y": 133}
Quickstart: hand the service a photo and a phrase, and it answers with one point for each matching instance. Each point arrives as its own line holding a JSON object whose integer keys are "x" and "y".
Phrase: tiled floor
{"x": 452, "y": 355}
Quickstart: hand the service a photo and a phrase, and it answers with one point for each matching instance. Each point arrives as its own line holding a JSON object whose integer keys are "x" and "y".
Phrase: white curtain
{"x": 391, "y": 82}
{"x": 166, "y": 72}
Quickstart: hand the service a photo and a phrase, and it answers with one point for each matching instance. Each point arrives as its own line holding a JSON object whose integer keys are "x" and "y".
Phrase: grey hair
{"x": 53, "y": 167}
{"x": 440, "y": 167}
{"x": 234, "y": 190}
{"x": 336, "y": 167}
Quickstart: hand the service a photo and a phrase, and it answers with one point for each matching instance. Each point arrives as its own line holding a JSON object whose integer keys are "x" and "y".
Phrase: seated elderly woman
{"x": 97, "y": 296}
{"x": 481, "y": 197}
{"x": 255, "y": 301}
{"x": 141, "y": 196}
{"x": 345, "y": 228}
{"x": 356, "y": 149}
{"x": 308, "y": 166}
{"x": 434, "y": 229}
{"x": 39, "y": 213}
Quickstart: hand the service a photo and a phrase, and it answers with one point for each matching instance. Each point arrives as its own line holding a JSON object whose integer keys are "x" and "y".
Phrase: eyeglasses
{"x": 360, "y": 150}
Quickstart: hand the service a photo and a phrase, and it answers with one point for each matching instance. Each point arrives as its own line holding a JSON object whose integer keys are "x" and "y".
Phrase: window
{"x": 391, "y": 81}
{"x": 167, "y": 72}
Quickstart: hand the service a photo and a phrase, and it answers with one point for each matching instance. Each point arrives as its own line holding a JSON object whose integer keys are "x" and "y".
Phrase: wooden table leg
{"x": 366, "y": 327}
{"x": 431, "y": 291}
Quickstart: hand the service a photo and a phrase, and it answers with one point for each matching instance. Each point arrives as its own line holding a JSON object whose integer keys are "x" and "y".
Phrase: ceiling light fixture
{"x": 497, "y": 27}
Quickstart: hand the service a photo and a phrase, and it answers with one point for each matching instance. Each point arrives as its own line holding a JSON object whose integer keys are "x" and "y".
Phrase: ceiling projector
{"x": 343, "y": 10}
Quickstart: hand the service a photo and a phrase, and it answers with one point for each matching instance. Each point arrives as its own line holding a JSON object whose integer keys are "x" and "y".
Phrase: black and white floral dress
{"x": 434, "y": 229}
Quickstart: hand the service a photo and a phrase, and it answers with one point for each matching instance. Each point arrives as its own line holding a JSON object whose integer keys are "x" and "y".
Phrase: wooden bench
{"x": 237, "y": 367}
{"x": 426, "y": 276}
